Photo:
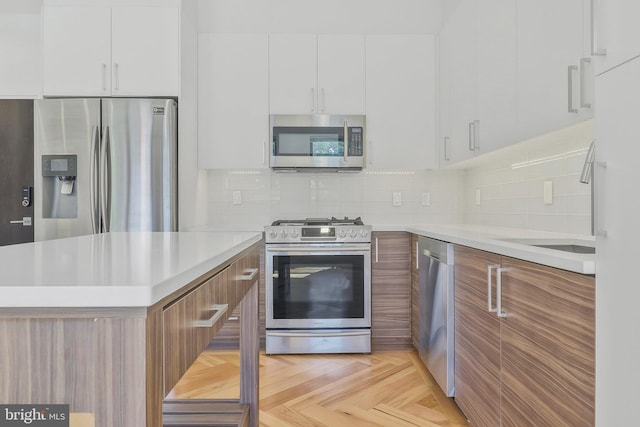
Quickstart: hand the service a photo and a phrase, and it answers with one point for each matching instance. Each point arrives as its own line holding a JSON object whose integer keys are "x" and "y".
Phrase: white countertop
{"x": 112, "y": 269}
{"x": 488, "y": 238}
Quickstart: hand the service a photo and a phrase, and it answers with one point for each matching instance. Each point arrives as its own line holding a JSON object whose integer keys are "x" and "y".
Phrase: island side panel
{"x": 88, "y": 363}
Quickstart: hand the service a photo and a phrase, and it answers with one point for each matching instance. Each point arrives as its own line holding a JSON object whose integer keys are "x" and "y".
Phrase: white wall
{"x": 511, "y": 183}
{"x": 328, "y": 16}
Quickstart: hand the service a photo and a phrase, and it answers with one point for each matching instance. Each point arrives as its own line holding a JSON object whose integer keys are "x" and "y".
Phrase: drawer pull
{"x": 249, "y": 274}
{"x": 220, "y": 310}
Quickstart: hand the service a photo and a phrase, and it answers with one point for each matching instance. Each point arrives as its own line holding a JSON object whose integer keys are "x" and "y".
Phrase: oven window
{"x": 308, "y": 141}
{"x": 318, "y": 287}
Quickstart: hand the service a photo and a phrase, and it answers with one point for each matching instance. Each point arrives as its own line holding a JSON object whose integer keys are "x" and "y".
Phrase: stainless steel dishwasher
{"x": 436, "y": 313}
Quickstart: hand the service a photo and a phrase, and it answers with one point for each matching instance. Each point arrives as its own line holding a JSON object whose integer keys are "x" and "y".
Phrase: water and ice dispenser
{"x": 59, "y": 193}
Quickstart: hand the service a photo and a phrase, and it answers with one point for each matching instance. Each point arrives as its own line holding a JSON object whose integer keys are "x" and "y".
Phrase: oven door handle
{"x": 312, "y": 249}
{"x": 318, "y": 334}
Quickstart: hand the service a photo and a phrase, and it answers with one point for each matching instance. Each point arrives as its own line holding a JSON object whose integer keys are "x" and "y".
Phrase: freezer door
{"x": 65, "y": 127}
{"x": 139, "y": 164}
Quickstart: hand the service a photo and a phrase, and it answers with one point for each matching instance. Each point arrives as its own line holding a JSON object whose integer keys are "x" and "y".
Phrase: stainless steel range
{"x": 318, "y": 286}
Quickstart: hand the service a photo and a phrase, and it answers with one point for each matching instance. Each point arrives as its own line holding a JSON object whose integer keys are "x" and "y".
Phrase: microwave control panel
{"x": 356, "y": 146}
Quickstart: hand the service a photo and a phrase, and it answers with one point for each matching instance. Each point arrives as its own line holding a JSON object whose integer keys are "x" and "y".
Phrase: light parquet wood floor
{"x": 389, "y": 389}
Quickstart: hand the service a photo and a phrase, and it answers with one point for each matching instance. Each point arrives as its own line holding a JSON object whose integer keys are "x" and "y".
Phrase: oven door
{"x": 318, "y": 286}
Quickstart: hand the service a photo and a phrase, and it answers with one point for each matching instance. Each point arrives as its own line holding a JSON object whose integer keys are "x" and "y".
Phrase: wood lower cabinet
{"x": 477, "y": 339}
{"x": 536, "y": 364}
{"x": 390, "y": 290}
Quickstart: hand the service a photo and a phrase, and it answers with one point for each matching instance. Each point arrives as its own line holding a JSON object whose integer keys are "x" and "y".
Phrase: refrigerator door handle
{"x": 93, "y": 175}
{"x": 105, "y": 180}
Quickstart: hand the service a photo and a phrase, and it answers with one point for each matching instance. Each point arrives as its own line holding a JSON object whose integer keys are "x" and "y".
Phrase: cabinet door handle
{"x": 248, "y": 274}
{"x": 490, "y": 308}
{"x": 570, "y": 71}
{"x": 447, "y": 154}
{"x": 313, "y": 100}
{"x": 472, "y": 145}
{"x": 376, "y": 249}
{"x": 595, "y": 50}
{"x": 598, "y": 167}
{"x": 499, "y": 272}
{"x": 117, "y": 76}
{"x": 476, "y": 134}
{"x": 220, "y": 310}
{"x": 417, "y": 256}
{"x": 104, "y": 77}
{"x": 583, "y": 82}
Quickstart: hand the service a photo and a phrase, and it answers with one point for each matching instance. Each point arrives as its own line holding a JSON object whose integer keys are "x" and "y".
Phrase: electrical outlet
{"x": 397, "y": 198}
{"x": 548, "y": 192}
{"x": 237, "y": 197}
{"x": 478, "y": 197}
{"x": 426, "y": 199}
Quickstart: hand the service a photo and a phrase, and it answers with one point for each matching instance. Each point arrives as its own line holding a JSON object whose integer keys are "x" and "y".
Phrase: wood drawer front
{"x": 183, "y": 340}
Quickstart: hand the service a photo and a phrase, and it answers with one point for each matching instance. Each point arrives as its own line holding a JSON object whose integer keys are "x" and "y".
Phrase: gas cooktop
{"x": 319, "y": 221}
{"x": 318, "y": 230}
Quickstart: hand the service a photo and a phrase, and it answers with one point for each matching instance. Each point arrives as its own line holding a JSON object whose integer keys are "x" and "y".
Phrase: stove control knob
{"x": 283, "y": 233}
{"x": 353, "y": 233}
{"x": 294, "y": 234}
{"x": 273, "y": 234}
{"x": 342, "y": 233}
{"x": 364, "y": 233}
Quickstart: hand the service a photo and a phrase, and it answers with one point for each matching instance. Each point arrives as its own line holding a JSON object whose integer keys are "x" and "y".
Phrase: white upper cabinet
{"x": 401, "y": 102}
{"x": 311, "y": 74}
{"x": 21, "y": 53}
{"x": 615, "y": 33}
{"x": 233, "y": 101}
{"x": 477, "y": 79}
{"x": 77, "y": 51}
{"x": 145, "y": 51}
{"x": 510, "y": 71}
{"x": 458, "y": 84}
{"x": 551, "y": 75}
{"x": 103, "y": 51}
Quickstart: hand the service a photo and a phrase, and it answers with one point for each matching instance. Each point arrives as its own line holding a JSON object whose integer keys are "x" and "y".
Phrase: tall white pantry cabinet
{"x": 617, "y": 234}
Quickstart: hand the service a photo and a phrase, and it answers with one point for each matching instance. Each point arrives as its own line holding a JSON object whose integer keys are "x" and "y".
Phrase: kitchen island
{"x": 107, "y": 323}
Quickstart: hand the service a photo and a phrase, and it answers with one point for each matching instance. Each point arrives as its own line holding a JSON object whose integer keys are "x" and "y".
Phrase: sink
{"x": 576, "y": 249}
{"x": 576, "y": 246}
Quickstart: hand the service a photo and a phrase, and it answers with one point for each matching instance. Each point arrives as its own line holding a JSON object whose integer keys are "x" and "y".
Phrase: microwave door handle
{"x": 346, "y": 141}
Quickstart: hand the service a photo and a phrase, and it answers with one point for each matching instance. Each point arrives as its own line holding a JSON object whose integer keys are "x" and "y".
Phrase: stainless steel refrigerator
{"x": 104, "y": 165}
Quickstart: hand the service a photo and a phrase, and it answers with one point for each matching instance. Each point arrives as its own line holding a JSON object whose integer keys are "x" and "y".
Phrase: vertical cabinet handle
{"x": 583, "y": 82}
{"x": 104, "y": 77}
{"x": 570, "y": 70}
{"x": 417, "y": 256}
{"x": 490, "y": 308}
{"x": 117, "y": 76}
{"x": 595, "y": 50}
{"x": 447, "y": 154}
{"x": 499, "y": 272}
{"x": 598, "y": 230}
{"x": 376, "y": 249}
{"x": 472, "y": 145}
{"x": 313, "y": 100}
{"x": 476, "y": 135}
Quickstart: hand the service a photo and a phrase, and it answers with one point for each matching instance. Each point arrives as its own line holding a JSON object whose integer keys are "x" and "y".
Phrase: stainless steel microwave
{"x": 317, "y": 142}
